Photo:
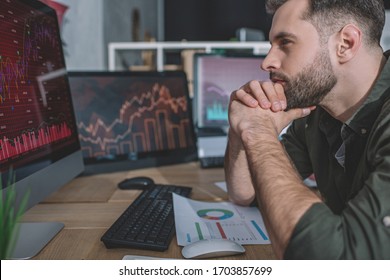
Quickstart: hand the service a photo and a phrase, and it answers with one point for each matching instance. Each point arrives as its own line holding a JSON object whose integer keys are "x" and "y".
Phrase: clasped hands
{"x": 259, "y": 108}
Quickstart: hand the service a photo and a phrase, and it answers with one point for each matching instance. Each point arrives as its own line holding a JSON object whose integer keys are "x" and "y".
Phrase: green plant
{"x": 9, "y": 216}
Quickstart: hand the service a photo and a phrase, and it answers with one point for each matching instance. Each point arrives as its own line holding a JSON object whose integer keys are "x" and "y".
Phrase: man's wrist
{"x": 235, "y": 143}
{"x": 259, "y": 138}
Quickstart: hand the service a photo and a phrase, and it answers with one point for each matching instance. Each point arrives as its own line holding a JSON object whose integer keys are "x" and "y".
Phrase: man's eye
{"x": 284, "y": 42}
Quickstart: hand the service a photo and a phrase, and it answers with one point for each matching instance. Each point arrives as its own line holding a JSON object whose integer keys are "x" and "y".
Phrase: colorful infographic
{"x": 197, "y": 220}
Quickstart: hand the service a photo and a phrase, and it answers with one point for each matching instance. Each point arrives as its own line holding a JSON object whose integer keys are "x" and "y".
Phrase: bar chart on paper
{"x": 196, "y": 220}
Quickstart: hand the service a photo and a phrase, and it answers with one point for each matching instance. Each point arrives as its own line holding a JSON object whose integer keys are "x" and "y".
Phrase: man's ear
{"x": 349, "y": 42}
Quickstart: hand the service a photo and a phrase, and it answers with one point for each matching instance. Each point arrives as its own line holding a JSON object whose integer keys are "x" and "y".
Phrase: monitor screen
{"x": 216, "y": 76}
{"x": 133, "y": 119}
{"x": 38, "y": 132}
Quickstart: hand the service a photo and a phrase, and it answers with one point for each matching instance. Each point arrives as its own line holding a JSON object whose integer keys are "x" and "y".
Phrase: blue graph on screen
{"x": 217, "y": 112}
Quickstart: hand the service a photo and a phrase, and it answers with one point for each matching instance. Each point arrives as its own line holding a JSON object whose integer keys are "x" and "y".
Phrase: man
{"x": 330, "y": 78}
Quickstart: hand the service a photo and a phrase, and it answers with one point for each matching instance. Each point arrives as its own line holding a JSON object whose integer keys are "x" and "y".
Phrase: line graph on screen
{"x": 148, "y": 120}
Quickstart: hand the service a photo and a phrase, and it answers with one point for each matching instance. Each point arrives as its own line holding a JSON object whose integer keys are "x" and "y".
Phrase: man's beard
{"x": 311, "y": 85}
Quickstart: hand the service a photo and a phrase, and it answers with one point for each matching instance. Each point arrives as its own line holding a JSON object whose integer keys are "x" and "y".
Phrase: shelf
{"x": 160, "y": 48}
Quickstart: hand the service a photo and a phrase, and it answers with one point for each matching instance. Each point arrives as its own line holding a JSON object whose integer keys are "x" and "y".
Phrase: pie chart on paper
{"x": 215, "y": 214}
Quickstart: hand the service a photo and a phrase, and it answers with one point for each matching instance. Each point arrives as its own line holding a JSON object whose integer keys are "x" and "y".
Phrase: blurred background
{"x": 89, "y": 25}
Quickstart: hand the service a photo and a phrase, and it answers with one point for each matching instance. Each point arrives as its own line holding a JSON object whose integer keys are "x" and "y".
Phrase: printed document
{"x": 196, "y": 220}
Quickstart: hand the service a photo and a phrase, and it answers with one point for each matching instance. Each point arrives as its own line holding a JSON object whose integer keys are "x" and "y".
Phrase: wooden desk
{"x": 89, "y": 205}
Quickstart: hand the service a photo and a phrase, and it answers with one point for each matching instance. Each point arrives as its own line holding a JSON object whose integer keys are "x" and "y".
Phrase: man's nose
{"x": 271, "y": 61}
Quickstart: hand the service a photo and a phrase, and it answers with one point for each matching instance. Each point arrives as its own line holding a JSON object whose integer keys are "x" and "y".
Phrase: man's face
{"x": 310, "y": 85}
{"x": 297, "y": 60}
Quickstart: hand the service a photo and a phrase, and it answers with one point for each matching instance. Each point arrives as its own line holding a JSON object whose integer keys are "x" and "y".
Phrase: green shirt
{"x": 353, "y": 222}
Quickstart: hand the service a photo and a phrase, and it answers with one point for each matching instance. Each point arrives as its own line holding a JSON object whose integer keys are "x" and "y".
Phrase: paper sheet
{"x": 221, "y": 185}
{"x": 196, "y": 220}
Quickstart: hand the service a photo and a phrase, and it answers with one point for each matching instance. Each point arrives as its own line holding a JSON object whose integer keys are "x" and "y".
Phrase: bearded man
{"x": 330, "y": 81}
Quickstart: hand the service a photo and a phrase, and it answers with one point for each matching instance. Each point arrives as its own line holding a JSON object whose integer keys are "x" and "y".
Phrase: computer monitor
{"x": 130, "y": 120}
{"x": 38, "y": 132}
{"x": 216, "y": 76}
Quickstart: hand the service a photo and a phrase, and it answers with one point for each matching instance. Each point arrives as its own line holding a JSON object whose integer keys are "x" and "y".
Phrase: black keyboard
{"x": 209, "y": 162}
{"x": 148, "y": 223}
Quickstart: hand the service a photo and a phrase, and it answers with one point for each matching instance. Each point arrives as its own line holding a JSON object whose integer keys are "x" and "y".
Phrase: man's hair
{"x": 329, "y": 16}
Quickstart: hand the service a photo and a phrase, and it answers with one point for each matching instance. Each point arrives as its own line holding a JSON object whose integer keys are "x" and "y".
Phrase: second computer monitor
{"x": 131, "y": 120}
{"x": 216, "y": 76}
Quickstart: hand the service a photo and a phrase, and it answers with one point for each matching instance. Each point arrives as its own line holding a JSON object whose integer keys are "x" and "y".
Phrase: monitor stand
{"x": 33, "y": 237}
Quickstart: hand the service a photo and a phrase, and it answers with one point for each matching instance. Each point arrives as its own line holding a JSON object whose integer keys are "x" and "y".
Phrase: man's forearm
{"x": 237, "y": 176}
{"x": 282, "y": 196}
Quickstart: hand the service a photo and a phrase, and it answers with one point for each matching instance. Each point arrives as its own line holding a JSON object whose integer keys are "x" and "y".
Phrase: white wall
{"x": 82, "y": 33}
{"x": 89, "y": 25}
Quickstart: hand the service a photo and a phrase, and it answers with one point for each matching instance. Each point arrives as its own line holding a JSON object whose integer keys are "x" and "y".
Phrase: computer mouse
{"x": 136, "y": 183}
{"x": 209, "y": 248}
